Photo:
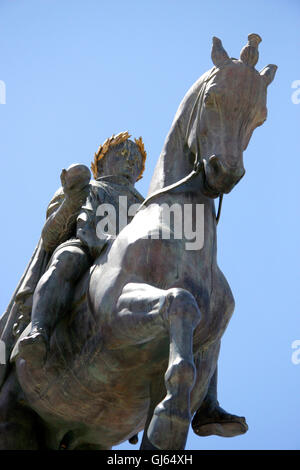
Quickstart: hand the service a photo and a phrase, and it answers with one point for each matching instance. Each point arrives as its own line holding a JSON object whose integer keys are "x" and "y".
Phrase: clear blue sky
{"x": 78, "y": 71}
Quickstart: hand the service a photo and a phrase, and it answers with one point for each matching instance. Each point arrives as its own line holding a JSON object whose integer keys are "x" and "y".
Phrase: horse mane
{"x": 189, "y": 110}
{"x": 183, "y": 130}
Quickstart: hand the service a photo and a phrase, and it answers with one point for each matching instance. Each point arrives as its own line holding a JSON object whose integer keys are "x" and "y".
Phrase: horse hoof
{"x": 223, "y": 428}
{"x": 168, "y": 431}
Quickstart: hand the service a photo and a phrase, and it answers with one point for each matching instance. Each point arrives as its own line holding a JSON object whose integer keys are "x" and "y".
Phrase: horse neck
{"x": 173, "y": 163}
{"x": 176, "y": 159}
{"x": 191, "y": 198}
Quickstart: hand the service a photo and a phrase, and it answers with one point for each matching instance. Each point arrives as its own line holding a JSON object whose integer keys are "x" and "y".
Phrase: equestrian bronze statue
{"x": 122, "y": 327}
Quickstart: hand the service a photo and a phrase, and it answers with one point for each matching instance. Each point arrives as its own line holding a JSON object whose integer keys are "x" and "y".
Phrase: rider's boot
{"x": 33, "y": 348}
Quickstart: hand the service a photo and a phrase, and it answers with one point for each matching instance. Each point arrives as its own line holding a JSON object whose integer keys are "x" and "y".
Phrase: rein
{"x": 219, "y": 208}
{"x": 184, "y": 180}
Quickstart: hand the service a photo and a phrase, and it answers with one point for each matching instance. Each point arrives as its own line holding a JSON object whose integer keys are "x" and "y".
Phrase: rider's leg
{"x": 53, "y": 295}
{"x": 55, "y": 288}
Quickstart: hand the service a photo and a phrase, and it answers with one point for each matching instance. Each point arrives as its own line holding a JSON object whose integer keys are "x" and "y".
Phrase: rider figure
{"x": 118, "y": 164}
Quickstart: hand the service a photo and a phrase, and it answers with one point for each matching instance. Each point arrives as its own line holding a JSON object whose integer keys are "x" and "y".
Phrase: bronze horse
{"x": 141, "y": 342}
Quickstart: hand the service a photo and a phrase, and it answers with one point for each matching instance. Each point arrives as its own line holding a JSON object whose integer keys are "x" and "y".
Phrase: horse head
{"x": 220, "y": 112}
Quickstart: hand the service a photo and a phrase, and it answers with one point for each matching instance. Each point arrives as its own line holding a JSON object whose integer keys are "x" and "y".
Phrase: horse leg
{"x": 19, "y": 426}
{"x": 157, "y": 392}
{"x": 169, "y": 425}
{"x": 143, "y": 313}
{"x": 210, "y": 419}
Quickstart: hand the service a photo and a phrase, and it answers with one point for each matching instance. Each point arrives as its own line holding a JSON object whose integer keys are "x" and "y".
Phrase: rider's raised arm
{"x": 65, "y": 206}
{"x": 87, "y": 223}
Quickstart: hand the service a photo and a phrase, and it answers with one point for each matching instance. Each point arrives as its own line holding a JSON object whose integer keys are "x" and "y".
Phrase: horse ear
{"x": 218, "y": 54}
{"x": 268, "y": 73}
{"x": 249, "y": 53}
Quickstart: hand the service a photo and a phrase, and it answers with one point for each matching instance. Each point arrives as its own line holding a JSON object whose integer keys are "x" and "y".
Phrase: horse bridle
{"x": 198, "y": 163}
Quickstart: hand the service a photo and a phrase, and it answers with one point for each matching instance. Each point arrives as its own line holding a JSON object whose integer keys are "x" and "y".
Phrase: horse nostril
{"x": 215, "y": 163}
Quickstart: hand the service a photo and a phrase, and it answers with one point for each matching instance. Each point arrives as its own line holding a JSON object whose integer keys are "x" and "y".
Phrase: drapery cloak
{"x": 62, "y": 221}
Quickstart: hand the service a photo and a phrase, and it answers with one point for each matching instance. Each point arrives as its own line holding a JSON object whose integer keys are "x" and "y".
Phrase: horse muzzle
{"x": 220, "y": 177}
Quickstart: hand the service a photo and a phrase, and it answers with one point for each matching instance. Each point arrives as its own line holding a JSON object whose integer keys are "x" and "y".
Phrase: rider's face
{"x": 126, "y": 162}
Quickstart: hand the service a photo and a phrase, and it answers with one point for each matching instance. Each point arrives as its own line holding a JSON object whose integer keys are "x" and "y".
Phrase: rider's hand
{"x": 75, "y": 179}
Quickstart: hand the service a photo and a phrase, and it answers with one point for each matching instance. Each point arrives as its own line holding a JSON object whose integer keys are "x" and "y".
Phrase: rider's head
{"x": 120, "y": 156}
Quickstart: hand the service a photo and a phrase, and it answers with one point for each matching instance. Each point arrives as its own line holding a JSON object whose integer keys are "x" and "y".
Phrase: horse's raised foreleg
{"x": 145, "y": 313}
{"x": 170, "y": 423}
